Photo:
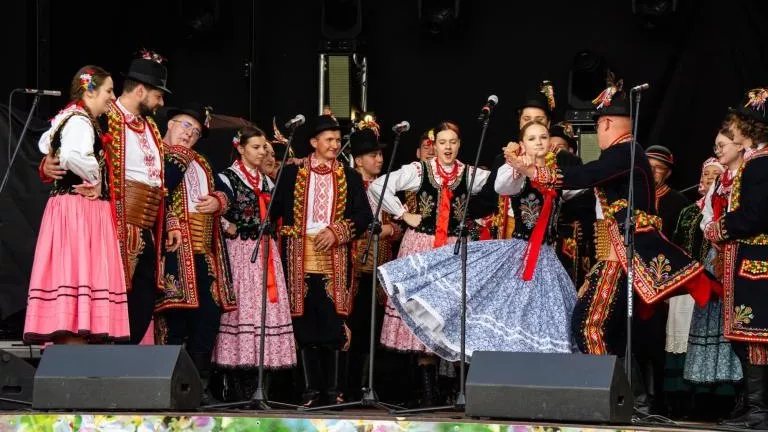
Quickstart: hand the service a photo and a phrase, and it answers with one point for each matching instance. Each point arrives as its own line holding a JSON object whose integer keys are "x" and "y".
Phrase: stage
{"x": 279, "y": 421}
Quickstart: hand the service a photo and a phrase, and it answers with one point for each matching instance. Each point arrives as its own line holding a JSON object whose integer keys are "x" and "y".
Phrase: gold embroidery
{"x": 458, "y": 207}
{"x": 743, "y": 315}
{"x": 426, "y": 204}
{"x": 754, "y": 269}
{"x": 660, "y": 268}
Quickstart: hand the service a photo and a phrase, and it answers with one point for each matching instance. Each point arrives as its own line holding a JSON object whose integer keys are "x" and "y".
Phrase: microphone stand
{"x": 629, "y": 236}
{"x": 18, "y": 143}
{"x": 461, "y": 243}
{"x": 259, "y": 398}
{"x": 370, "y": 398}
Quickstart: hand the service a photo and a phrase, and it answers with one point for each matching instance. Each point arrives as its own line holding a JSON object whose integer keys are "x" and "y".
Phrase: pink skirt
{"x": 77, "y": 286}
{"x": 394, "y": 333}
{"x": 237, "y": 344}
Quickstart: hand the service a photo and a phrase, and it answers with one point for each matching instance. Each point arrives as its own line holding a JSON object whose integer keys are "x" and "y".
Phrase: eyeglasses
{"x": 187, "y": 125}
{"x": 719, "y": 147}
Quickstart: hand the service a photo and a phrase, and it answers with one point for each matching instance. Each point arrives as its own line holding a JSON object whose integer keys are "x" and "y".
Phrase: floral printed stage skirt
{"x": 504, "y": 313}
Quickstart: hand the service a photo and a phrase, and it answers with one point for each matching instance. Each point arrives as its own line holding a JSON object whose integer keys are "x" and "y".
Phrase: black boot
{"x": 756, "y": 415}
{"x": 427, "y": 377}
{"x": 337, "y": 377}
{"x": 740, "y": 407}
{"x": 202, "y": 362}
{"x": 310, "y": 367}
{"x": 248, "y": 380}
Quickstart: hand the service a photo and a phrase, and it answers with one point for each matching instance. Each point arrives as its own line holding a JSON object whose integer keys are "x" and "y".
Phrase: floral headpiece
{"x": 605, "y": 97}
{"x": 549, "y": 91}
{"x": 86, "y": 80}
{"x": 151, "y": 55}
{"x": 756, "y": 99}
{"x": 236, "y": 139}
{"x": 712, "y": 162}
{"x": 369, "y": 123}
{"x": 431, "y": 137}
{"x": 327, "y": 111}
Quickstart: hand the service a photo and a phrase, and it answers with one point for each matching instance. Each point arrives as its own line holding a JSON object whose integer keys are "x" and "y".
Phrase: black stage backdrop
{"x": 697, "y": 63}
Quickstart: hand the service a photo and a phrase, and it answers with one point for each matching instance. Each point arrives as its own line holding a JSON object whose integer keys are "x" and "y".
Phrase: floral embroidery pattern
{"x": 458, "y": 207}
{"x": 660, "y": 268}
{"x": 530, "y": 207}
{"x": 426, "y": 204}
{"x": 743, "y": 315}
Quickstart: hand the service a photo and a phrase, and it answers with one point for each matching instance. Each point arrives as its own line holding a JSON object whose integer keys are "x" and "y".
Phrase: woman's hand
{"x": 88, "y": 190}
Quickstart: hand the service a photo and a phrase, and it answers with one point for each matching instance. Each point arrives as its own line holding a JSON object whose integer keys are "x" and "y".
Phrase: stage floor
{"x": 282, "y": 421}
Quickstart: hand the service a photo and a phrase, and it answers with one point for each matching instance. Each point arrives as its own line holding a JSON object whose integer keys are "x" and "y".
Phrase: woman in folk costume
{"x": 237, "y": 344}
{"x": 740, "y": 230}
{"x": 77, "y": 290}
{"x": 689, "y": 236}
{"x": 441, "y": 185}
{"x": 519, "y": 296}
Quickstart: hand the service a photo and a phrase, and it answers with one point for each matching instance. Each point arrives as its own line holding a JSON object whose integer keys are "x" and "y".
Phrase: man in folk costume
{"x": 669, "y": 202}
{"x": 324, "y": 207}
{"x": 367, "y": 153}
{"x": 743, "y": 234}
{"x": 135, "y": 154}
{"x": 196, "y": 285}
{"x": 661, "y": 269}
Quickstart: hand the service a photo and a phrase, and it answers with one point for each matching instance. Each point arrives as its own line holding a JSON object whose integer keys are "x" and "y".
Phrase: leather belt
{"x": 142, "y": 203}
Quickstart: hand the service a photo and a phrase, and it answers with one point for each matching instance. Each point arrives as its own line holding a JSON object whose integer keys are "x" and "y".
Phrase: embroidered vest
{"x": 527, "y": 206}
{"x": 64, "y": 185}
{"x": 244, "y": 210}
{"x": 428, "y": 200}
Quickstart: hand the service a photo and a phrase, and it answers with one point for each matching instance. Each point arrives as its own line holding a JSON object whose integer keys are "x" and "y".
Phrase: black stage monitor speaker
{"x": 556, "y": 387}
{"x": 16, "y": 379}
{"x": 116, "y": 377}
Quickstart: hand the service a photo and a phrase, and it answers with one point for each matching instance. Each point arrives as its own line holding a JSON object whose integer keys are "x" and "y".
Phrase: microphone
{"x": 401, "y": 127}
{"x": 295, "y": 122}
{"x": 639, "y": 88}
{"x": 492, "y": 101}
{"x": 39, "y": 92}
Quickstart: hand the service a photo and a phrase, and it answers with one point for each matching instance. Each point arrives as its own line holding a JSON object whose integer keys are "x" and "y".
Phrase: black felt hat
{"x": 564, "y": 130}
{"x": 612, "y": 101}
{"x": 324, "y": 123}
{"x": 542, "y": 98}
{"x": 195, "y": 110}
{"x": 365, "y": 141}
{"x": 149, "y": 69}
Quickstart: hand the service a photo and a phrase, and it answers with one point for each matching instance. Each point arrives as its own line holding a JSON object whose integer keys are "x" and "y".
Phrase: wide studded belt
{"x": 316, "y": 262}
{"x": 142, "y": 203}
{"x": 201, "y": 231}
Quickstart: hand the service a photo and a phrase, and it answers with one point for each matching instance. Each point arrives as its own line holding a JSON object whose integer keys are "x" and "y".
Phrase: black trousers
{"x": 320, "y": 325}
{"x": 198, "y": 327}
{"x": 360, "y": 319}
{"x": 141, "y": 297}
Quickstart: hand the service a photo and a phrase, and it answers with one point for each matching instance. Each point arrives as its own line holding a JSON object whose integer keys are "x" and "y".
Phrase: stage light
{"x": 438, "y": 16}
{"x": 653, "y": 13}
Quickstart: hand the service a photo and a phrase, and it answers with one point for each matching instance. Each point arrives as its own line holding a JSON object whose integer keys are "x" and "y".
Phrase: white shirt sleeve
{"x": 708, "y": 214}
{"x": 407, "y": 178}
{"x": 76, "y": 152}
{"x": 509, "y": 181}
{"x": 480, "y": 178}
{"x": 225, "y": 180}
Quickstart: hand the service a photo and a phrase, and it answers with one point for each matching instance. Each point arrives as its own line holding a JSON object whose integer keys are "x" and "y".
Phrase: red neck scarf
{"x": 264, "y": 198}
{"x": 537, "y": 236}
{"x": 444, "y": 208}
{"x": 720, "y": 200}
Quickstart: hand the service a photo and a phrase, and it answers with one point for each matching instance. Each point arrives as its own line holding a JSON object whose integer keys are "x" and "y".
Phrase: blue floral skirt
{"x": 504, "y": 313}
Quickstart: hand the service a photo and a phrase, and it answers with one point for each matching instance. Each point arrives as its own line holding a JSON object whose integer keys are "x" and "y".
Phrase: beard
{"x": 145, "y": 110}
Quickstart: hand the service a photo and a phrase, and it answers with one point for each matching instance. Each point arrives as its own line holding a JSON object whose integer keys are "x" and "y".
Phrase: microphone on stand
{"x": 295, "y": 122}
{"x": 490, "y": 104}
{"x": 639, "y": 88}
{"x": 401, "y": 127}
{"x": 690, "y": 188}
{"x": 38, "y": 92}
